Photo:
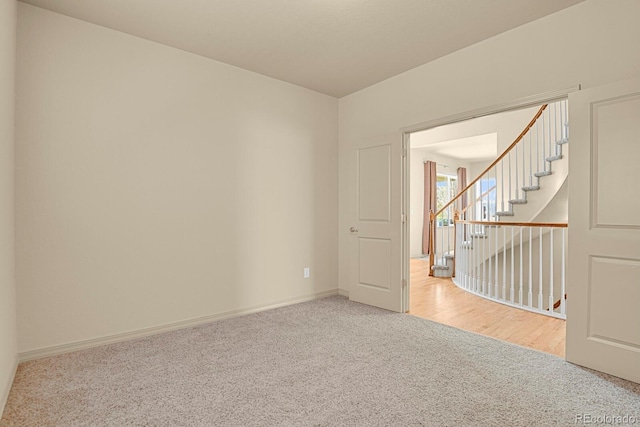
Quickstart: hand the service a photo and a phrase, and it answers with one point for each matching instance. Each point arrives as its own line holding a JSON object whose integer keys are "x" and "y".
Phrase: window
{"x": 486, "y": 204}
{"x": 446, "y": 189}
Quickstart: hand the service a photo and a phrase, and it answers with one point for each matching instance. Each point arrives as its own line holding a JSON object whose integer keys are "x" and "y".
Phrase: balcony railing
{"x": 484, "y": 253}
{"x": 518, "y": 264}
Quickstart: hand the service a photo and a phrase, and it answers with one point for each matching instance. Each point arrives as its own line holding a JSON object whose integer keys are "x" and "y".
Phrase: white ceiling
{"x": 473, "y": 140}
{"x": 331, "y": 46}
{"x": 470, "y": 149}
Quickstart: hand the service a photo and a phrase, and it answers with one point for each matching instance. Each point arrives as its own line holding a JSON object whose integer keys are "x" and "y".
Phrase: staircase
{"x": 498, "y": 250}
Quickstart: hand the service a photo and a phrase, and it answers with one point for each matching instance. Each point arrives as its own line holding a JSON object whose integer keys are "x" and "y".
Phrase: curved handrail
{"x": 480, "y": 197}
{"x": 433, "y": 215}
{"x": 517, "y": 224}
{"x": 496, "y": 161}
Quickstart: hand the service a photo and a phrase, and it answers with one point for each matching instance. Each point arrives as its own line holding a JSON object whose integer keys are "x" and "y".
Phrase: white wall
{"x": 156, "y": 186}
{"x": 507, "y": 125}
{"x": 7, "y": 232}
{"x": 589, "y": 44}
{"x": 476, "y": 168}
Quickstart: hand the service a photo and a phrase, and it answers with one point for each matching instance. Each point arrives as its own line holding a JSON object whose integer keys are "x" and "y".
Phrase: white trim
{"x": 154, "y": 330}
{"x": 406, "y": 230}
{"x": 510, "y": 304}
{"x": 7, "y": 387}
{"x": 343, "y": 292}
{"x": 528, "y": 101}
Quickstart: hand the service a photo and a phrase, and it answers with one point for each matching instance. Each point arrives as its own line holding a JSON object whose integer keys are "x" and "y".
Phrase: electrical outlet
{"x": 307, "y": 272}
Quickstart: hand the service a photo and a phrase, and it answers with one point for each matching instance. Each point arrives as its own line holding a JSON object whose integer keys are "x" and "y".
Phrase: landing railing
{"x": 479, "y": 211}
{"x": 518, "y": 264}
{"x": 506, "y": 181}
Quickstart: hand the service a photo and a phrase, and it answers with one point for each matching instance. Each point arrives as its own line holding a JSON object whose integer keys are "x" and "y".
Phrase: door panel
{"x": 610, "y": 279}
{"x": 616, "y": 161}
{"x": 374, "y": 186}
{"x": 603, "y": 288}
{"x": 376, "y": 273}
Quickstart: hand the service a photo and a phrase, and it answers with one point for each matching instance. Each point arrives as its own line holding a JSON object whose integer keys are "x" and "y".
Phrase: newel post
{"x": 456, "y": 218}
{"x": 432, "y": 240}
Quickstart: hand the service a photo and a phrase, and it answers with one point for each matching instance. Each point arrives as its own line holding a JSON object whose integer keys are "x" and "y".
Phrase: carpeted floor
{"x": 329, "y": 362}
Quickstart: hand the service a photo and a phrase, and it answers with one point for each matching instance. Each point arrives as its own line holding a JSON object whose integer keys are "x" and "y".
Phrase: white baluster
{"x": 475, "y": 261}
{"x": 540, "y": 299}
{"x": 467, "y": 253}
{"x": 562, "y": 277}
{"x": 447, "y": 229}
{"x": 561, "y": 120}
{"x": 538, "y": 126}
{"x": 441, "y": 243}
{"x": 484, "y": 200}
{"x": 551, "y": 301}
{"x": 501, "y": 186}
{"x": 496, "y": 295}
{"x": 566, "y": 116}
{"x": 555, "y": 131}
{"x": 459, "y": 265}
{"x": 470, "y": 266}
{"x": 490, "y": 262}
{"x": 496, "y": 206}
{"x": 530, "y": 294}
{"x": 544, "y": 149}
{"x": 521, "y": 267}
{"x": 484, "y": 267}
{"x": 460, "y": 257}
{"x": 517, "y": 187}
{"x": 504, "y": 264}
{"x": 531, "y": 156}
{"x": 510, "y": 191}
{"x": 511, "y": 290}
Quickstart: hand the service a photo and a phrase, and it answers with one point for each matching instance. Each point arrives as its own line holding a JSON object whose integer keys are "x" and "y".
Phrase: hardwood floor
{"x": 442, "y": 301}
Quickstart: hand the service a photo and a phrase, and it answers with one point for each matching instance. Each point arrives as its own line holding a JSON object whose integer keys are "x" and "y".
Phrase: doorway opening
{"x": 492, "y": 261}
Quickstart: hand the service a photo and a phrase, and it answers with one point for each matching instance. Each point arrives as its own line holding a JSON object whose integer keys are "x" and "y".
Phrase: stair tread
{"x": 554, "y": 158}
{"x": 518, "y": 201}
{"x": 531, "y": 188}
{"x": 562, "y": 141}
{"x": 504, "y": 213}
{"x": 543, "y": 173}
{"x": 439, "y": 267}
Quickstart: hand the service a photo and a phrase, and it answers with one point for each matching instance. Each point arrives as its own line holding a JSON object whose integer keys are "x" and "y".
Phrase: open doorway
{"x": 475, "y": 237}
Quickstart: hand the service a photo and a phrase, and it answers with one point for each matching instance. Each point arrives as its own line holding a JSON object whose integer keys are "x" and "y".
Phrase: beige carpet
{"x": 328, "y": 362}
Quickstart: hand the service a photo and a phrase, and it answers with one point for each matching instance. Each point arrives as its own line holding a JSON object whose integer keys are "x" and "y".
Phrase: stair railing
{"x": 516, "y": 263}
{"x": 505, "y": 181}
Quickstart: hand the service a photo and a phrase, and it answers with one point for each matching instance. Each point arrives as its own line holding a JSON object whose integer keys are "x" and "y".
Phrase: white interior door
{"x": 603, "y": 288}
{"x": 375, "y": 229}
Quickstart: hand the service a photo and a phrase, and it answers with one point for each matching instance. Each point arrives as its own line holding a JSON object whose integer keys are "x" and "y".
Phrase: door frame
{"x": 517, "y": 104}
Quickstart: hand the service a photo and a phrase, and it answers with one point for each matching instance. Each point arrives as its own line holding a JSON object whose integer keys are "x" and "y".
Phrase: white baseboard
{"x": 343, "y": 292}
{"x": 7, "y": 387}
{"x": 154, "y": 330}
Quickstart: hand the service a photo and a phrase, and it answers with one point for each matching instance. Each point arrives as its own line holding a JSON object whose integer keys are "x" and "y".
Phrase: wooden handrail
{"x": 495, "y": 162}
{"x": 477, "y": 199}
{"x": 517, "y": 224}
